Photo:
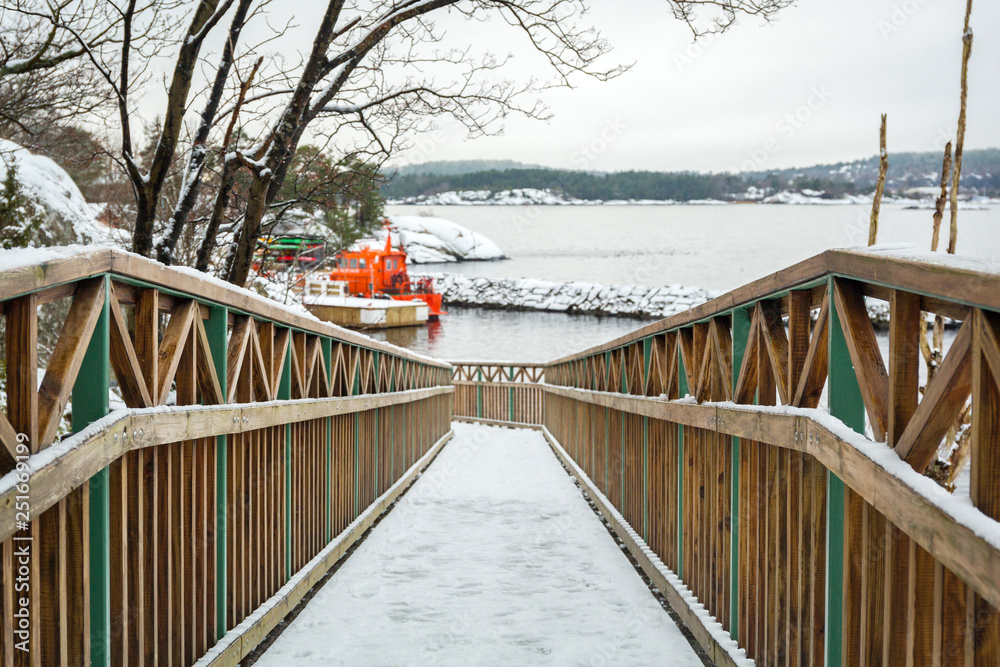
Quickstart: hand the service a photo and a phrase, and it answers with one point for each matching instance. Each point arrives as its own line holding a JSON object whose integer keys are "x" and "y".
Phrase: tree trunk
{"x": 257, "y": 205}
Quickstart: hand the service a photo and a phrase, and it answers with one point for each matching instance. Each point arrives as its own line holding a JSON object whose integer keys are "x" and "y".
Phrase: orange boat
{"x": 373, "y": 273}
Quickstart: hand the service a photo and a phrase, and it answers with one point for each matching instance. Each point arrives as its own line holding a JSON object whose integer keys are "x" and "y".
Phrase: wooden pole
{"x": 883, "y": 168}
{"x": 942, "y": 198}
{"x": 960, "y": 140}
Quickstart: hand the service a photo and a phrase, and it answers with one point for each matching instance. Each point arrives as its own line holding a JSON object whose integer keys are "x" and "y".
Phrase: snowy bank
{"x": 68, "y": 218}
{"x": 570, "y": 297}
{"x": 434, "y": 240}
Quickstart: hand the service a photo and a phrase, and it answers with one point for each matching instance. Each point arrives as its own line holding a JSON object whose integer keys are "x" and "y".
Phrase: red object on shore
{"x": 372, "y": 273}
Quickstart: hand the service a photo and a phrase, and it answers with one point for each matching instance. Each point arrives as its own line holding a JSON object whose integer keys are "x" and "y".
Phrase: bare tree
{"x": 343, "y": 80}
{"x": 42, "y": 46}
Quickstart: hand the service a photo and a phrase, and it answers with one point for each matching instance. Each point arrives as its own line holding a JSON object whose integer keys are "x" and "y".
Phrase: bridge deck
{"x": 493, "y": 557}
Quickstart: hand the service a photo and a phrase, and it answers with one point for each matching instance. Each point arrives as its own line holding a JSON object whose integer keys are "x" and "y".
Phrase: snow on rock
{"x": 573, "y": 297}
{"x": 69, "y": 218}
{"x": 492, "y": 558}
{"x": 586, "y": 298}
{"x": 434, "y": 240}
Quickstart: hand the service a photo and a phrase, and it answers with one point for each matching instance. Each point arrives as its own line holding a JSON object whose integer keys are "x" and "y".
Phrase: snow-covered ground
{"x": 573, "y": 297}
{"x": 493, "y": 558}
{"x": 435, "y": 240}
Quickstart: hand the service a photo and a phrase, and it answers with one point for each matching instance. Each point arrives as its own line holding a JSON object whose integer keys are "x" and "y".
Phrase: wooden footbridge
{"x": 253, "y": 446}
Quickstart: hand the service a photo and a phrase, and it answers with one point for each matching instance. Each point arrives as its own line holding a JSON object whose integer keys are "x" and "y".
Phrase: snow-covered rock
{"x": 68, "y": 216}
{"x": 571, "y": 297}
{"x": 434, "y": 240}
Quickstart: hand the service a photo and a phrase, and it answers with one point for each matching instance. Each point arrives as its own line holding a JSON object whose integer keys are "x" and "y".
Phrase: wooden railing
{"x": 255, "y": 443}
{"x": 498, "y": 391}
{"x": 807, "y": 541}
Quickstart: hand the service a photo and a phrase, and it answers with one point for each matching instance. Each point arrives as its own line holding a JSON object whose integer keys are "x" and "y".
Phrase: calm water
{"x": 720, "y": 247}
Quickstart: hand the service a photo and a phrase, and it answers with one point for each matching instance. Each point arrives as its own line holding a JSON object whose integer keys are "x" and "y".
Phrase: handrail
{"x": 950, "y": 531}
{"x": 966, "y": 281}
{"x": 673, "y": 425}
{"x": 54, "y": 473}
{"x": 253, "y": 435}
{"x": 61, "y": 270}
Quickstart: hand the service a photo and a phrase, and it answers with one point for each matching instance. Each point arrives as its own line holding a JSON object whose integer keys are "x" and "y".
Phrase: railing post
{"x": 284, "y": 394}
{"x": 376, "y": 430}
{"x": 510, "y": 398}
{"x": 682, "y": 389}
{"x": 847, "y": 405}
{"x": 479, "y": 393}
{"x": 216, "y": 328}
{"x": 647, "y": 357}
{"x": 356, "y": 390}
{"x": 327, "y": 347}
{"x": 90, "y": 403}
{"x": 741, "y": 332}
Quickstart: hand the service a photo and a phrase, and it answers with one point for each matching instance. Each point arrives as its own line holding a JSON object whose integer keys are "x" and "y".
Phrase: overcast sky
{"x": 805, "y": 89}
{"x": 722, "y": 104}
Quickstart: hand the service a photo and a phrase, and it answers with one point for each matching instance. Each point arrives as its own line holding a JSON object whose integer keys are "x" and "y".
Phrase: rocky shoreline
{"x": 584, "y": 298}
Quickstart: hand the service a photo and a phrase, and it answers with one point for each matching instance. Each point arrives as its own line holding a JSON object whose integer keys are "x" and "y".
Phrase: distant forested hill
{"x": 453, "y": 167}
{"x": 980, "y": 175}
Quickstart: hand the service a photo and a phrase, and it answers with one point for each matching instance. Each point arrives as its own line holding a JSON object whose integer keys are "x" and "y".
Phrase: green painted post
{"x": 741, "y": 332}
{"x": 90, "y": 403}
{"x": 284, "y": 394}
{"x": 847, "y": 405}
{"x": 682, "y": 388}
{"x": 479, "y": 393}
{"x": 510, "y": 397}
{"x": 216, "y": 327}
{"x": 327, "y": 347}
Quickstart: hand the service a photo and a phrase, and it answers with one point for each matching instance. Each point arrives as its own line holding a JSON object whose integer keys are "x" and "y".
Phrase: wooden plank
{"x": 799, "y": 317}
{"x": 944, "y": 398}
{"x": 22, "y": 368}
{"x": 905, "y": 323}
{"x": 175, "y": 338}
{"x": 8, "y": 438}
{"x": 873, "y": 379}
{"x": 813, "y": 377}
{"x": 208, "y": 378}
{"x": 262, "y": 389}
{"x": 984, "y": 461}
{"x": 722, "y": 349}
{"x": 772, "y": 333}
{"x": 236, "y": 354}
{"x": 746, "y": 385}
{"x": 67, "y": 357}
{"x": 147, "y": 338}
{"x": 124, "y": 361}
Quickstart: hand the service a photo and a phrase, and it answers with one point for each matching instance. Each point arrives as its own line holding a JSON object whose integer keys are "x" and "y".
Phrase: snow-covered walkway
{"x": 492, "y": 558}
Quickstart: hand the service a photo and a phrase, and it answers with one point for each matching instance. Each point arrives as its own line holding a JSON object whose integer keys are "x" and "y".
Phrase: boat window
{"x": 389, "y": 264}
{"x": 362, "y": 265}
{"x": 354, "y": 263}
